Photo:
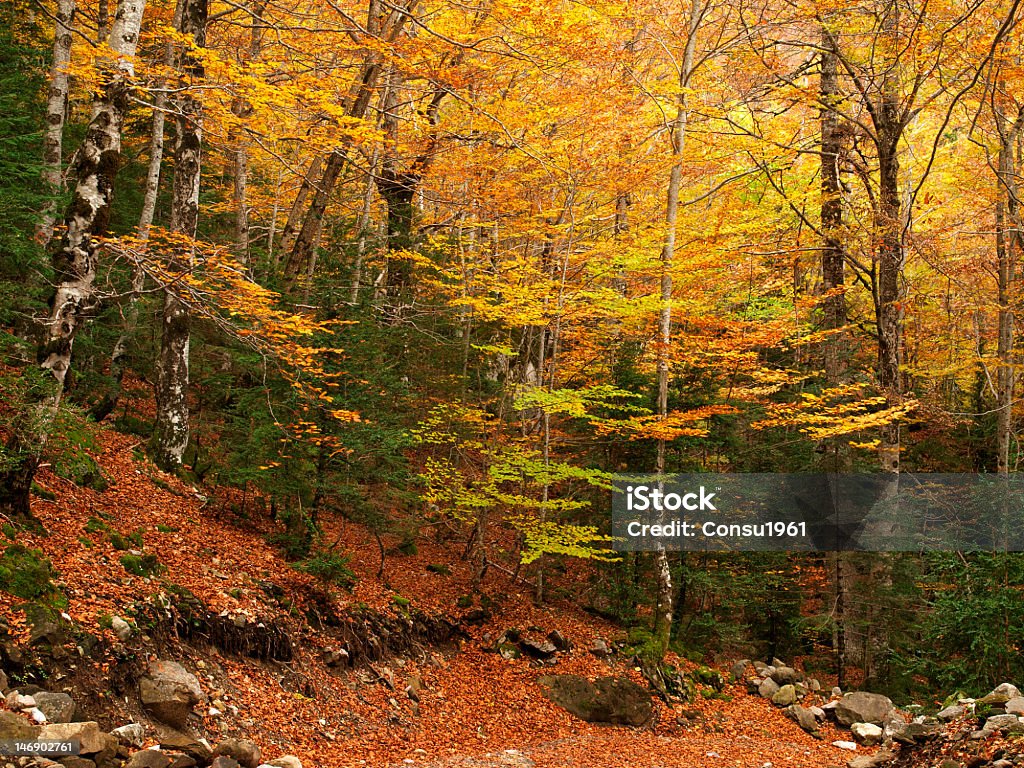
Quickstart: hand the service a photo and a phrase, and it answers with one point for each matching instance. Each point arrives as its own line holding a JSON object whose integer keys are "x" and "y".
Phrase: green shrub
{"x": 142, "y": 565}
{"x": 329, "y": 567}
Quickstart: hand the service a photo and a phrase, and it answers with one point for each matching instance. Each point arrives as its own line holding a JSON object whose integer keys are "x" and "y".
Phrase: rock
{"x": 785, "y": 696}
{"x": 813, "y": 684}
{"x": 3, "y": 680}
{"x": 121, "y": 628}
{"x": 739, "y": 669}
{"x": 768, "y": 689}
{"x": 1008, "y": 690}
{"x": 785, "y": 676}
{"x": 994, "y": 702}
{"x": 599, "y": 648}
{"x": 89, "y": 736}
{"x": 866, "y": 734}
{"x": 870, "y": 761}
{"x": 197, "y": 749}
{"x": 224, "y": 762}
{"x": 37, "y": 715}
{"x": 149, "y": 758}
{"x": 761, "y": 668}
{"x": 837, "y": 691}
{"x": 74, "y": 761}
{"x": 951, "y": 713}
{"x": 15, "y": 727}
{"x": 509, "y": 651}
{"x": 560, "y": 641}
{"x": 1000, "y": 722}
{"x": 612, "y": 700}
{"x": 862, "y": 707}
{"x": 803, "y": 717}
{"x": 413, "y": 687}
{"x": 818, "y": 712}
{"x": 18, "y": 701}
{"x": 169, "y": 692}
{"x": 535, "y": 650}
{"x": 242, "y": 751}
{"x": 1015, "y": 706}
{"x": 184, "y": 761}
{"x": 917, "y": 733}
{"x": 131, "y": 735}
{"x": 286, "y": 761}
{"x": 845, "y": 745}
{"x": 58, "y": 707}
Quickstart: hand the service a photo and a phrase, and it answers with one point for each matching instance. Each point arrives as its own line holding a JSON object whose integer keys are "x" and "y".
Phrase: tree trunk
{"x": 171, "y": 431}
{"x": 1007, "y": 243}
{"x": 119, "y": 355}
{"x": 663, "y": 571}
{"x": 75, "y": 260}
{"x": 56, "y": 107}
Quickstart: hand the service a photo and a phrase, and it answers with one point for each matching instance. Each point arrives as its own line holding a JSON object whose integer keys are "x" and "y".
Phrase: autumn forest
{"x": 396, "y": 287}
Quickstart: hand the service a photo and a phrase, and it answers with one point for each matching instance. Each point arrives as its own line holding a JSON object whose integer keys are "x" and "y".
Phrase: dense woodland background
{"x": 441, "y": 268}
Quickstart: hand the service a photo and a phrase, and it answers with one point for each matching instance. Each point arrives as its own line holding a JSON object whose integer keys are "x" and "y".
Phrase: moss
{"x": 142, "y": 565}
{"x": 28, "y": 574}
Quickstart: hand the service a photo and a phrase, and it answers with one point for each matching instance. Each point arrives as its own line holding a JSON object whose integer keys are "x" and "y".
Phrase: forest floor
{"x": 476, "y": 708}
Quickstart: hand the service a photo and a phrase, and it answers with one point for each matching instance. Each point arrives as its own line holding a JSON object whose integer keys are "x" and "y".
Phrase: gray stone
{"x": 131, "y": 735}
{"x": 560, "y": 641}
{"x": 1000, "y": 722}
{"x": 818, "y": 712}
{"x": 866, "y": 734}
{"x": 804, "y": 718}
{"x": 88, "y": 735}
{"x": 169, "y": 692}
{"x": 739, "y": 669}
{"x": 243, "y": 751}
{"x": 612, "y": 700}
{"x": 837, "y": 691}
{"x": 951, "y": 713}
{"x": 149, "y": 758}
{"x": 181, "y": 742}
{"x": 761, "y": 668}
{"x": 785, "y": 675}
{"x": 58, "y": 707}
{"x": 813, "y": 684}
{"x": 1009, "y": 690}
{"x": 785, "y": 696}
{"x": 74, "y": 761}
{"x": 863, "y": 707}
{"x": 224, "y": 762}
{"x": 286, "y": 761}
{"x": 121, "y": 628}
{"x": 1015, "y": 706}
{"x": 600, "y": 648}
{"x": 916, "y": 733}
{"x": 14, "y": 726}
{"x": 768, "y": 688}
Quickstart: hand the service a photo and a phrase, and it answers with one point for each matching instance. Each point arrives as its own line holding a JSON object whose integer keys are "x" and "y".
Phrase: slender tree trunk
{"x": 56, "y": 107}
{"x": 662, "y": 569}
{"x": 1007, "y": 242}
{"x": 362, "y": 229}
{"x": 171, "y": 431}
{"x": 75, "y": 261}
{"x": 119, "y": 355}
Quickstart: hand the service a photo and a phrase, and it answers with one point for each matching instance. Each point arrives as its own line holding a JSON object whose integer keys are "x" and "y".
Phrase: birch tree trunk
{"x": 662, "y": 570}
{"x": 56, "y": 107}
{"x": 171, "y": 432}
{"x": 75, "y": 260}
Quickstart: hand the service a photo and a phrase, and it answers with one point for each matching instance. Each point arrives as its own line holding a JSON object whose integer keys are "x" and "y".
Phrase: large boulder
{"x": 286, "y": 761}
{"x": 768, "y": 688}
{"x": 169, "y": 691}
{"x": 785, "y": 696}
{"x": 243, "y": 751}
{"x": 198, "y": 749}
{"x": 863, "y": 707}
{"x": 804, "y": 717}
{"x": 15, "y": 727}
{"x": 612, "y": 700}
{"x": 785, "y": 675}
{"x": 58, "y": 707}
{"x": 89, "y": 736}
